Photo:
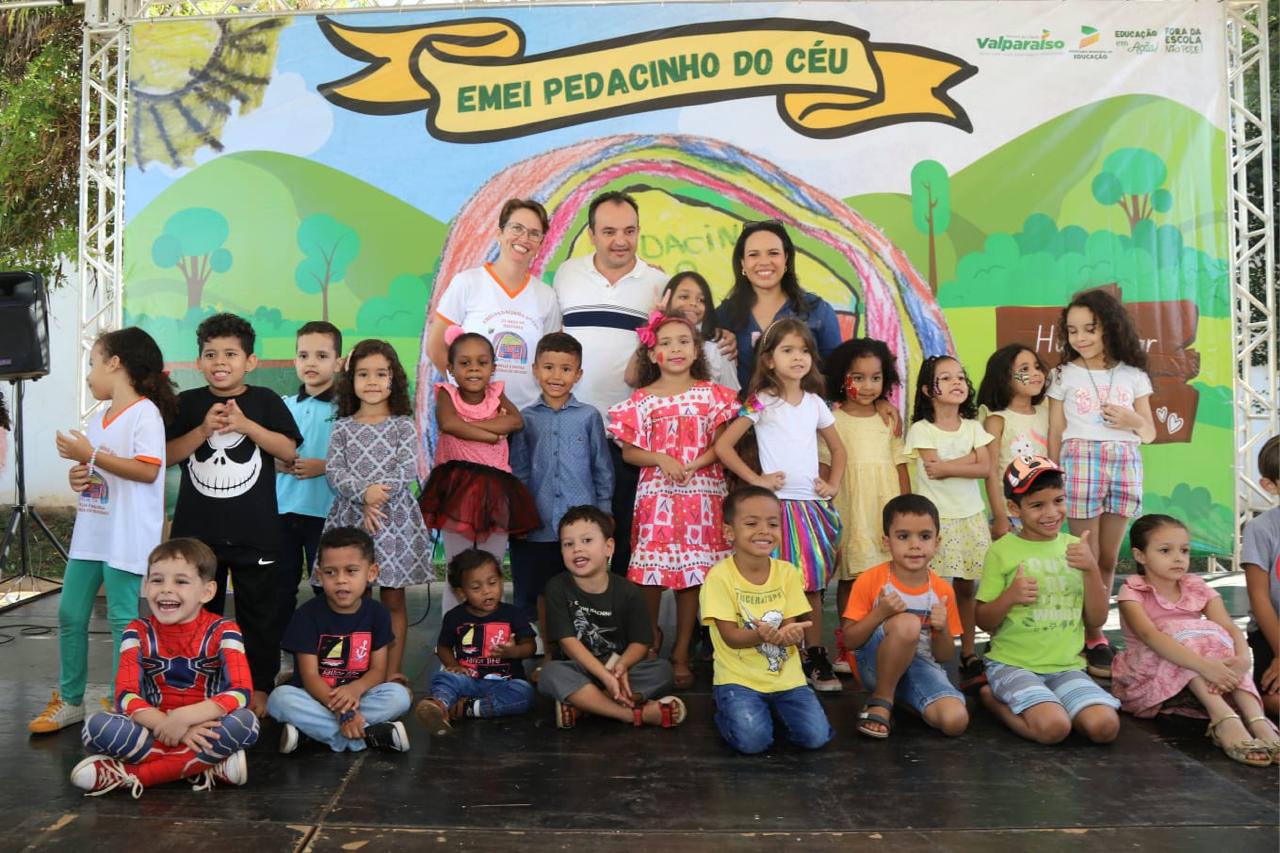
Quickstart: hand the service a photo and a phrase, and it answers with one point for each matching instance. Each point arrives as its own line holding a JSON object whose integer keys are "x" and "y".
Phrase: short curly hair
{"x": 226, "y": 326}
{"x": 837, "y": 366}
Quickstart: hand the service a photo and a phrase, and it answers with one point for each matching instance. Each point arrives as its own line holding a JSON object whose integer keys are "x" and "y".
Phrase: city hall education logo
{"x": 1022, "y": 45}
{"x": 1089, "y": 45}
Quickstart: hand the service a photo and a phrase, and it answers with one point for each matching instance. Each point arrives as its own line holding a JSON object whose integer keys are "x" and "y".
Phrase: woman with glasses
{"x": 765, "y": 289}
{"x": 503, "y": 302}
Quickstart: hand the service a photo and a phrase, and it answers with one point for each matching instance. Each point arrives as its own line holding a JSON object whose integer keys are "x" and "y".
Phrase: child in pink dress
{"x": 667, "y": 428}
{"x": 1183, "y": 654}
{"x": 471, "y": 496}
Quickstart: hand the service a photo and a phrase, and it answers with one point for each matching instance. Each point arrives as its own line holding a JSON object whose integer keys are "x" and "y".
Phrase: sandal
{"x": 434, "y": 716}
{"x": 1272, "y": 741}
{"x": 1239, "y": 751}
{"x": 566, "y": 715}
{"x": 683, "y": 675}
{"x": 673, "y": 711}
{"x": 865, "y": 716}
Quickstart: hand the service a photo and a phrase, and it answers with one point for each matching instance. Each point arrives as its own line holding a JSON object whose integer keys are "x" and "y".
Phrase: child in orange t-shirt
{"x": 901, "y": 620}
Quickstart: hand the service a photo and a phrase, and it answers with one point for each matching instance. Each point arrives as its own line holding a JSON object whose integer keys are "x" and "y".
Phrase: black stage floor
{"x": 521, "y": 783}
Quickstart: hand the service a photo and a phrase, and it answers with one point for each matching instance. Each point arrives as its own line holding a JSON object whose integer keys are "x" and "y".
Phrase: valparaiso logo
{"x": 1091, "y": 36}
{"x": 1021, "y": 44}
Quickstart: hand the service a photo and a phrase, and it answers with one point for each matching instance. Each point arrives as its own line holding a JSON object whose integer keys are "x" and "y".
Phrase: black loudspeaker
{"x": 24, "y": 326}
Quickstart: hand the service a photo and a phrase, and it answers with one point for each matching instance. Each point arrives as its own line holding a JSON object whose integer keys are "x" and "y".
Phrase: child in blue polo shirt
{"x": 302, "y": 492}
{"x": 562, "y": 456}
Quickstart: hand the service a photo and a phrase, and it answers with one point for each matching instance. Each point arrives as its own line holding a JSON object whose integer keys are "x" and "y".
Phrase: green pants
{"x": 79, "y": 588}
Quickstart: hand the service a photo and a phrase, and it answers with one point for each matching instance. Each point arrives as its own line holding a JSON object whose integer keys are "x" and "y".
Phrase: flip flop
{"x": 865, "y": 716}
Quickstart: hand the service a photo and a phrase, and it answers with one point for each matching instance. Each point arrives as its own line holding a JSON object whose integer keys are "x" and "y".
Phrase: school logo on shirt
{"x": 344, "y": 657}
{"x": 96, "y": 495}
{"x": 508, "y": 346}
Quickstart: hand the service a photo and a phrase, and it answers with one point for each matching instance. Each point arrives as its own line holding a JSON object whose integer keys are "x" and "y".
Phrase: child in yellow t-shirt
{"x": 753, "y": 601}
{"x": 902, "y": 620}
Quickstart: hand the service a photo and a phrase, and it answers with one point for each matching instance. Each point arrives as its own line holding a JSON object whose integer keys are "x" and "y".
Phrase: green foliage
{"x": 1132, "y": 178}
{"x": 1216, "y": 406}
{"x": 401, "y": 313}
{"x": 39, "y": 138}
{"x": 176, "y": 336}
{"x": 192, "y": 241}
{"x": 329, "y": 247}
{"x": 930, "y": 193}
{"x": 1045, "y": 265}
{"x": 1209, "y": 521}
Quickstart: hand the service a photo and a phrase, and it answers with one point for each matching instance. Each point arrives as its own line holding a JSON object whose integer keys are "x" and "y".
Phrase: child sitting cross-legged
{"x": 481, "y": 643}
{"x": 182, "y": 687}
{"x": 902, "y": 620}
{"x": 757, "y": 609}
{"x": 339, "y": 694}
{"x": 1040, "y": 589}
{"x": 601, "y": 624}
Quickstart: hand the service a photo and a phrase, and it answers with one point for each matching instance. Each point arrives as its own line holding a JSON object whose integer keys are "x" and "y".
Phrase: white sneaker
{"x": 233, "y": 771}
{"x": 98, "y": 774}
{"x": 57, "y": 715}
{"x": 289, "y": 738}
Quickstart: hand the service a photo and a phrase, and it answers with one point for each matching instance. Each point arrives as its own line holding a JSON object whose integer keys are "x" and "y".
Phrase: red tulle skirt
{"x": 476, "y": 501}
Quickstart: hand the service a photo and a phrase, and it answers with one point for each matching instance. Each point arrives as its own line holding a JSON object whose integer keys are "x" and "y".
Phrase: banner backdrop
{"x": 951, "y": 173}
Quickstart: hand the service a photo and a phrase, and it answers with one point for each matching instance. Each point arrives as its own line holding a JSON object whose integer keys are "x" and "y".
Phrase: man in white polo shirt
{"x": 604, "y": 297}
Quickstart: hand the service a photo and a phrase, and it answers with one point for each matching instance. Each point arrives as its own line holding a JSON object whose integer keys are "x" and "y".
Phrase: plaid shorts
{"x": 1102, "y": 476}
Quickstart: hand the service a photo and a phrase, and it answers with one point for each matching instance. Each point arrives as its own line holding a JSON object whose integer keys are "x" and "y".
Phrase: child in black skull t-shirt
{"x": 226, "y": 438}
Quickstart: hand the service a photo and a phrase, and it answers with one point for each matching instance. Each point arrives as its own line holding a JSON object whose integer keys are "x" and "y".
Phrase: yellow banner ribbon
{"x": 477, "y": 85}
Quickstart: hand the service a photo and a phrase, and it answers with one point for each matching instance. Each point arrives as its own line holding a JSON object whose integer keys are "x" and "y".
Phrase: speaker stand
{"x": 24, "y": 585}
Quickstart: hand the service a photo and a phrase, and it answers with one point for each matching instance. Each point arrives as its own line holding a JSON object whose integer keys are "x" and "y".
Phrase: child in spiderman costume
{"x": 182, "y": 689}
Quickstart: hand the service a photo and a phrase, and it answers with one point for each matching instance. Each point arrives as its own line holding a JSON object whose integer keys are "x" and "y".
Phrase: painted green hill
{"x": 398, "y": 243}
{"x": 1049, "y": 170}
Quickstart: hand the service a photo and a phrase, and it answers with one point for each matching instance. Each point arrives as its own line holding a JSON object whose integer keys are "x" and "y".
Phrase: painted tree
{"x": 1133, "y": 178}
{"x": 931, "y": 208}
{"x": 329, "y": 247}
{"x": 192, "y": 242}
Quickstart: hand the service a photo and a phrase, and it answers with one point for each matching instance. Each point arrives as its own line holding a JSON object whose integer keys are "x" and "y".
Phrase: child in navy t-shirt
{"x": 480, "y": 646}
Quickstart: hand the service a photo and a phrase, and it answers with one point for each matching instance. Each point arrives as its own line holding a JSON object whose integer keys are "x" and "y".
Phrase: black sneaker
{"x": 1098, "y": 660}
{"x": 818, "y": 671}
{"x": 389, "y": 736}
{"x": 972, "y": 674}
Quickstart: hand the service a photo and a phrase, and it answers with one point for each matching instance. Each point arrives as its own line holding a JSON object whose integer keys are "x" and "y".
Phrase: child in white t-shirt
{"x": 785, "y": 406}
{"x": 119, "y": 475}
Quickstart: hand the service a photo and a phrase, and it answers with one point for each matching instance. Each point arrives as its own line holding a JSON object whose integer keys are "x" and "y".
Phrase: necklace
{"x": 1102, "y": 401}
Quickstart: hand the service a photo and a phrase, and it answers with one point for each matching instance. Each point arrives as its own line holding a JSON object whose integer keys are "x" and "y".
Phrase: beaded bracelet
{"x": 93, "y": 457}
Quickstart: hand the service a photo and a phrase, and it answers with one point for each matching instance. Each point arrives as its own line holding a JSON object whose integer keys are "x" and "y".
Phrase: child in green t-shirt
{"x": 1040, "y": 589}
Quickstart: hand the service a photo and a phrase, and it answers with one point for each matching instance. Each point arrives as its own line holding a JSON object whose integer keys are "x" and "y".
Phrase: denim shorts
{"x": 924, "y": 682}
{"x": 1021, "y": 688}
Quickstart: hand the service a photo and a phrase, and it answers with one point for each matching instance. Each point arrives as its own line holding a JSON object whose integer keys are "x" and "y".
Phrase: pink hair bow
{"x": 452, "y": 333}
{"x": 648, "y": 333}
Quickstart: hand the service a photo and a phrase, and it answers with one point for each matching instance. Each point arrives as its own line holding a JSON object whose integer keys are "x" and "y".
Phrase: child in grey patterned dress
{"x": 372, "y": 464}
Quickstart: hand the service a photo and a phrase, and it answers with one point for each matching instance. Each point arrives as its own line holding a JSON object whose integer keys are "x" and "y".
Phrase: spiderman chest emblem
{"x": 179, "y": 673}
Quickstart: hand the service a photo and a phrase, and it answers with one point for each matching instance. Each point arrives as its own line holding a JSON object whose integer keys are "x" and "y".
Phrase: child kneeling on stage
{"x": 752, "y": 602}
{"x": 182, "y": 689}
{"x": 1040, "y": 589}
{"x": 601, "y": 623}
{"x": 339, "y": 694}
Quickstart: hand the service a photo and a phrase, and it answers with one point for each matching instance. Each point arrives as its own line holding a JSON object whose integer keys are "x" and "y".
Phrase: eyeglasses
{"x": 517, "y": 230}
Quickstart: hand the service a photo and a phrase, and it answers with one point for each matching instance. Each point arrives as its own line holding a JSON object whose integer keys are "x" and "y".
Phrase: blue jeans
{"x": 294, "y": 705}
{"x": 499, "y": 697}
{"x": 745, "y": 717}
{"x": 924, "y": 682}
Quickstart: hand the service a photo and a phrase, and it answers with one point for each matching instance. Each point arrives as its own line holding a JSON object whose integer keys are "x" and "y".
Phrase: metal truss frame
{"x": 1252, "y": 208}
{"x": 1253, "y": 249}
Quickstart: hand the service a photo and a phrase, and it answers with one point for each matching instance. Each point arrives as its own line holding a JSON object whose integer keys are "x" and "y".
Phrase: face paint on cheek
{"x": 1023, "y": 376}
{"x": 937, "y": 388}
{"x": 660, "y": 358}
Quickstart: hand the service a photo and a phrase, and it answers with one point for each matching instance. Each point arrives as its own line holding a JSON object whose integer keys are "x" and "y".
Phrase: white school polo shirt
{"x": 604, "y": 318}
{"x": 512, "y": 320}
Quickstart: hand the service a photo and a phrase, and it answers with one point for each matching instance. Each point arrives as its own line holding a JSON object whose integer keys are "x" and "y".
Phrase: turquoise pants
{"x": 79, "y": 588}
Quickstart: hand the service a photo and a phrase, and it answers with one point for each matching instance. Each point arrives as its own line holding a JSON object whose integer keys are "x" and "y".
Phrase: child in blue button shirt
{"x": 302, "y": 492}
{"x": 562, "y": 456}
